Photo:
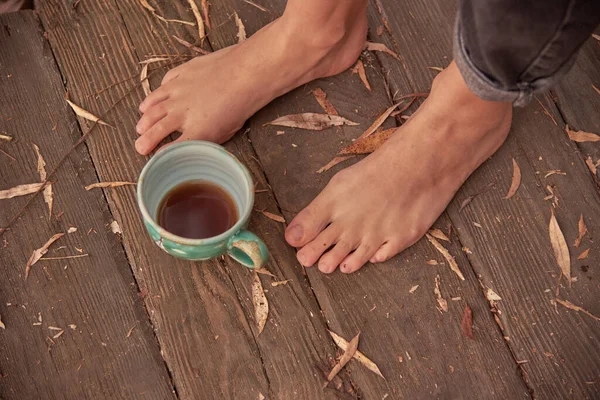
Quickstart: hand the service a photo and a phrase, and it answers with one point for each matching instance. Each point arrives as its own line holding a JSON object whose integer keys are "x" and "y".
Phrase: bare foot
{"x": 400, "y": 190}
{"x": 210, "y": 97}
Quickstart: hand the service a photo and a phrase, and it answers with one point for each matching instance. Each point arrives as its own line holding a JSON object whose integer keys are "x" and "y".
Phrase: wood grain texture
{"x": 421, "y": 352}
{"x": 295, "y": 339}
{"x": 203, "y": 331}
{"x": 512, "y": 251}
{"x": 95, "y": 358}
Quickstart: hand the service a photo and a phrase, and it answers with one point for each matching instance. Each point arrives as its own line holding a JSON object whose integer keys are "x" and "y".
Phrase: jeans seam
{"x": 556, "y": 35}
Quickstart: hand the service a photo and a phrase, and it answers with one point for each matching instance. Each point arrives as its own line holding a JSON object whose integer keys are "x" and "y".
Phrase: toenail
{"x": 295, "y": 233}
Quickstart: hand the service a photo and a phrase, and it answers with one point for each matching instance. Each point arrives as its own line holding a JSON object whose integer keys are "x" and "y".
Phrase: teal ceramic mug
{"x": 197, "y": 160}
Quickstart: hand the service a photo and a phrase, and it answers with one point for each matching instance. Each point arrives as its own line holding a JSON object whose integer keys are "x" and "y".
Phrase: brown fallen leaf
{"x": 358, "y": 356}
{"x": 438, "y": 69}
{"x": 582, "y": 228}
{"x": 516, "y": 180}
{"x": 583, "y": 254}
{"x": 21, "y": 190}
{"x": 412, "y": 289}
{"x": 153, "y": 60}
{"x": 265, "y": 271}
{"x": 381, "y": 47}
{"x": 321, "y": 98}
{"x": 554, "y": 172}
{"x": 368, "y": 144}
{"x": 191, "y": 46}
{"x": 261, "y": 8}
{"x": 274, "y": 217}
{"x": 261, "y": 305}
{"x": 199, "y": 21}
{"x": 569, "y": 305}
{"x": 241, "y": 34}
{"x": 559, "y": 246}
{"x": 205, "y": 11}
{"x": 86, "y": 114}
{"x": 381, "y": 119}
{"x": 592, "y": 166}
{"x": 443, "y": 304}
{"x": 347, "y": 356}
{"x": 144, "y": 80}
{"x": 447, "y": 256}
{"x": 6, "y": 137}
{"x": 581, "y": 136}
{"x": 37, "y": 254}
{"x": 333, "y": 163}
{"x": 492, "y": 296}
{"x": 359, "y": 69}
{"x": 274, "y": 284}
{"x": 311, "y": 121}
{"x": 467, "y": 322}
{"x": 438, "y": 234}
{"x": 465, "y": 203}
{"x": 107, "y": 185}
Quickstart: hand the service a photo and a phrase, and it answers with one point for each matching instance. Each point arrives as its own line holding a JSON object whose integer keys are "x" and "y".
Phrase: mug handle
{"x": 248, "y": 249}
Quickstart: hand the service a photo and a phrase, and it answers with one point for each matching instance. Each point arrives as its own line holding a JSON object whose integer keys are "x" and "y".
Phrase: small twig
{"x": 8, "y": 155}
{"x": 63, "y": 258}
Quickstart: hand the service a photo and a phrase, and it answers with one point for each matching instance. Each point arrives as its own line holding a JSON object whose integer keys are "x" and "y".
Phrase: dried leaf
{"x": 54, "y": 328}
{"x": 333, "y": 163}
{"x": 274, "y": 284}
{"x": 37, "y": 254}
{"x": 596, "y": 89}
{"x": 359, "y": 69}
{"x": 368, "y": 144}
{"x": 196, "y": 12}
{"x": 321, "y": 98}
{"x": 261, "y": 305}
{"x": 72, "y": 229}
{"x": 6, "y": 137}
{"x": 41, "y": 169}
{"x": 86, "y": 114}
{"x": 516, "y": 180}
{"x": 438, "y": 234}
{"x": 559, "y": 245}
{"x": 582, "y": 228}
{"x": 358, "y": 356}
{"x": 465, "y": 203}
{"x": 581, "y": 136}
{"x": 447, "y": 256}
{"x": 381, "y": 47}
{"x": 107, "y": 185}
{"x": 256, "y": 5}
{"x": 274, "y": 217}
{"x": 412, "y": 289}
{"x": 153, "y": 60}
{"x": 593, "y": 166}
{"x": 583, "y": 254}
{"x": 438, "y": 69}
{"x": 205, "y": 12}
{"x": 144, "y": 80}
{"x": 347, "y": 356}
{"x": 191, "y": 46}
{"x": 58, "y": 335}
{"x": 148, "y": 7}
{"x": 311, "y": 121}
{"x": 490, "y": 295}
{"x": 467, "y": 322}
{"x": 554, "y": 172}
{"x": 441, "y": 301}
{"x": 241, "y": 35}
{"x": 432, "y": 262}
{"x": 20, "y": 190}
{"x": 574, "y": 307}
{"x": 264, "y": 271}
{"x": 115, "y": 228}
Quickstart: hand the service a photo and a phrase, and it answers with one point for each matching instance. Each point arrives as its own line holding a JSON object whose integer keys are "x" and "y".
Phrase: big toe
{"x": 307, "y": 224}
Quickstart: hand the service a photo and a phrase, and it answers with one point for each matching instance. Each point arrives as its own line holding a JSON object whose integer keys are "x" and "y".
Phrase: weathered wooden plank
{"x": 92, "y": 299}
{"x": 512, "y": 252}
{"x": 436, "y": 359}
{"x": 295, "y": 339}
{"x": 204, "y": 334}
{"x": 578, "y": 99}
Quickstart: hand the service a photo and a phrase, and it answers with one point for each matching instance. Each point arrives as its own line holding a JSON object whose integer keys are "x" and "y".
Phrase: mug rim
{"x": 239, "y": 225}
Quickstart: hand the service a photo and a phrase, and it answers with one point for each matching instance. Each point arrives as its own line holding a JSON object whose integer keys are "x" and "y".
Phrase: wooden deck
{"x": 139, "y": 324}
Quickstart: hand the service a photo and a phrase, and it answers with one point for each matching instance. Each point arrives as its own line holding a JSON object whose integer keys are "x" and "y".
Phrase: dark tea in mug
{"x": 197, "y": 210}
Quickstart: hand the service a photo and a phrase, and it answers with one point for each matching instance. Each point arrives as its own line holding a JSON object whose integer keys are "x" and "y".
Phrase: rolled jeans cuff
{"x": 487, "y": 89}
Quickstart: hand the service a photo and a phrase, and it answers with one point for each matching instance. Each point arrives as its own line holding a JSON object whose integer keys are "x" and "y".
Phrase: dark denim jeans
{"x": 509, "y": 49}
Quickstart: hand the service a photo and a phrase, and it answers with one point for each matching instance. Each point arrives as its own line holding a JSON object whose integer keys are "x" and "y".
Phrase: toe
{"x": 387, "y": 251}
{"x": 360, "y": 257}
{"x": 308, "y": 223}
{"x": 151, "y": 117}
{"x": 329, "y": 262}
{"x": 159, "y": 95}
{"x": 158, "y": 132}
{"x": 309, "y": 254}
